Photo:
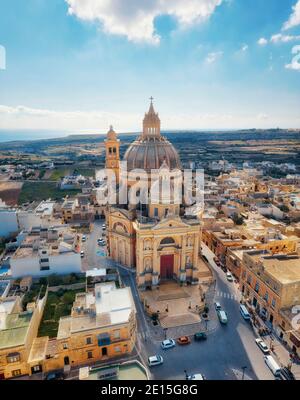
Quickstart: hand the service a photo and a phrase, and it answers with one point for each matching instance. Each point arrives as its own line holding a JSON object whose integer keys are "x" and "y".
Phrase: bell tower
{"x": 112, "y": 157}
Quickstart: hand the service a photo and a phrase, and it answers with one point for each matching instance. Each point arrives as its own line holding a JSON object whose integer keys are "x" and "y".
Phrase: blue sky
{"x": 209, "y": 64}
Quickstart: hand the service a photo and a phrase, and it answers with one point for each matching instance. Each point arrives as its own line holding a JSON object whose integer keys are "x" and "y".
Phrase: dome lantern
{"x": 151, "y": 123}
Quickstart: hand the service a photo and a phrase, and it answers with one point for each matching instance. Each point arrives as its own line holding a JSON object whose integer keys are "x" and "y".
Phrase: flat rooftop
{"x": 15, "y": 330}
{"x": 128, "y": 371}
{"x": 108, "y": 306}
{"x": 284, "y": 270}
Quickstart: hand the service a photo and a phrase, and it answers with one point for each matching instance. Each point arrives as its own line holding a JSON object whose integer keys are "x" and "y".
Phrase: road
{"x": 222, "y": 356}
{"x": 95, "y": 255}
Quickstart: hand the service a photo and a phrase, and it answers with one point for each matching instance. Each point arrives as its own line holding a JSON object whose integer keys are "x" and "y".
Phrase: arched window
{"x": 167, "y": 240}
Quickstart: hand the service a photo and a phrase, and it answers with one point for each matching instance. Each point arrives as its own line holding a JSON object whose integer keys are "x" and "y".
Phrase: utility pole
{"x": 243, "y": 369}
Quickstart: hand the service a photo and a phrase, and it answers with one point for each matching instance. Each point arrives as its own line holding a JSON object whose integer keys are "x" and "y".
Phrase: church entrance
{"x": 166, "y": 266}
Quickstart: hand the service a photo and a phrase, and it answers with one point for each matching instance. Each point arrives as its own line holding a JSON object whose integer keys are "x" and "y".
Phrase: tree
{"x": 237, "y": 219}
{"x": 68, "y": 298}
{"x": 284, "y": 208}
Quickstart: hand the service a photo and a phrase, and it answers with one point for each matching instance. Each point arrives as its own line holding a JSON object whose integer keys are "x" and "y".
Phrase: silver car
{"x": 168, "y": 344}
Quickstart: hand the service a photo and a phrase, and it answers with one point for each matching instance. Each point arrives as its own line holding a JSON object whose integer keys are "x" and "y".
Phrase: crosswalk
{"x": 144, "y": 336}
{"x": 226, "y": 295}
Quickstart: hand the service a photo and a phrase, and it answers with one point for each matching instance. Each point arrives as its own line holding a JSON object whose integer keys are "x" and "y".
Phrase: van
{"x": 272, "y": 364}
{"x": 222, "y": 316}
{"x": 244, "y": 312}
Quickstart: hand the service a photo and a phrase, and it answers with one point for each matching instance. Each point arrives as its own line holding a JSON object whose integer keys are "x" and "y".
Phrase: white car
{"x": 155, "y": 360}
{"x": 195, "y": 377}
{"x": 262, "y": 345}
{"x": 83, "y": 238}
{"x": 82, "y": 254}
{"x": 229, "y": 277}
{"x": 218, "y": 306}
{"x": 168, "y": 344}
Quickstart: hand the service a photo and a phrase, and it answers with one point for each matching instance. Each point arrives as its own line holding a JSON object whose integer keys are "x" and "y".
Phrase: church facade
{"x": 158, "y": 239}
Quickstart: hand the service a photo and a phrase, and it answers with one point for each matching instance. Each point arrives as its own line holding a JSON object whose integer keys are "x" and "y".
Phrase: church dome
{"x": 150, "y": 150}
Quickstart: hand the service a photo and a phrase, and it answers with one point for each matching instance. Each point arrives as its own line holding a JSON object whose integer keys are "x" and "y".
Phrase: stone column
{"x": 196, "y": 250}
{"x": 156, "y": 260}
{"x": 183, "y": 246}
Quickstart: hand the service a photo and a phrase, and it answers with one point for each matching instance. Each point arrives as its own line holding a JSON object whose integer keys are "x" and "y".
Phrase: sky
{"x": 82, "y": 66}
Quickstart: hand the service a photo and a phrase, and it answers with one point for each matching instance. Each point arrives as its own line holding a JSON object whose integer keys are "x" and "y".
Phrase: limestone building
{"x": 158, "y": 238}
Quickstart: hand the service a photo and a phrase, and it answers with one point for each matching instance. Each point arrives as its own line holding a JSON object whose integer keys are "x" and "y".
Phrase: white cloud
{"x": 34, "y": 118}
{"x": 262, "y": 116}
{"x": 22, "y": 117}
{"x": 295, "y": 63}
{"x": 245, "y": 47}
{"x": 135, "y": 18}
{"x": 262, "y": 41}
{"x": 280, "y": 38}
{"x": 294, "y": 19}
{"x": 213, "y": 57}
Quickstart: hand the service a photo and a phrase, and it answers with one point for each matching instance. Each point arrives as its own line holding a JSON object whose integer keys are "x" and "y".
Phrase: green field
{"x": 88, "y": 172}
{"x": 38, "y": 191}
{"x": 59, "y": 173}
{"x": 59, "y": 304}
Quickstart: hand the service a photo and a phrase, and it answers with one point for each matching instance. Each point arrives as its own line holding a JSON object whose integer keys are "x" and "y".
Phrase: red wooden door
{"x": 166, "y": 266}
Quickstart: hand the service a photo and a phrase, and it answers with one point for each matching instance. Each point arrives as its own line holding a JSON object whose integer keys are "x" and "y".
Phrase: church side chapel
{"x": 159, "y": 239}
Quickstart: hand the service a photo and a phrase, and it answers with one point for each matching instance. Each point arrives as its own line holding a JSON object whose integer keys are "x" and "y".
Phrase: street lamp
{"x": 165, "y": 330}
{"x": 243, "y": 369}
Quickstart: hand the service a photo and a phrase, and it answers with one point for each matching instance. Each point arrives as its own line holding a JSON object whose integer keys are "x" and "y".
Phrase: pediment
{"x": 175, "y": 222}
{"x": 119, "y": 213}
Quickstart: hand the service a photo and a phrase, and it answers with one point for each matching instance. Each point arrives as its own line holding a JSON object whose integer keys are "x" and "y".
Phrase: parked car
{"x": 222, "y": 317}
{"x": 287, "y": 374}
{"x": 200, "y": 336}
{"x": 155, "y": 360}
{"x": 55, "y": 376}
{"x": 245, "y": 312}
{"x": 183, "y": 340}
{"x": 83, "y": 239}
{"x": 195, "y": 377}
{"x": 168, "y": 344}
{"x": 272, "y": 364}
{"x": 229, "y": 276}
{"x": 218, "y": 306}
{"x": 262, "y": 345}
{"x": 223, "y": 268}
{"x": 82, "y": 254}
